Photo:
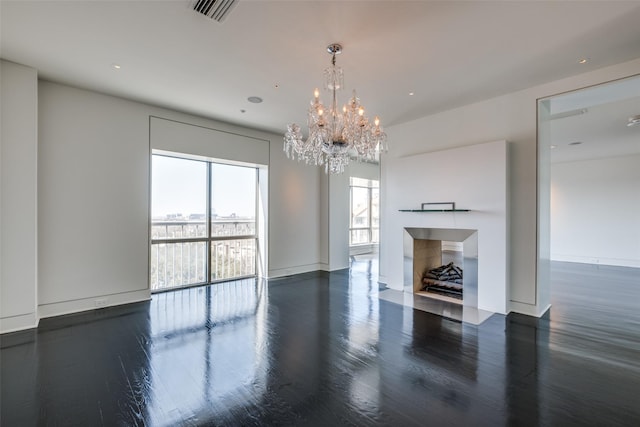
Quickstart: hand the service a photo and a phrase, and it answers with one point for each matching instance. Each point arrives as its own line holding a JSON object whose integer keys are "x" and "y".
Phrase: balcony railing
{"x": 198, "y": 228}
{"x": 179, "y": 252}
{"x": 363, "y": 235}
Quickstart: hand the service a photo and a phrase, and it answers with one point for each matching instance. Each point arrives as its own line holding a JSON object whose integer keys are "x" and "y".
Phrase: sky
{"x": 180, "y": 186}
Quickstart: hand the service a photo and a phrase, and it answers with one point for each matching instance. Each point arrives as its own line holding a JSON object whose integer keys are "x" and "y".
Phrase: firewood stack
{"x": 445, "y": 273}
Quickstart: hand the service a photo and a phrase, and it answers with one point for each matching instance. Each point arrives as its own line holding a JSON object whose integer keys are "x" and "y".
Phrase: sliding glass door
{"x": 203, "y": 226}
{"x": 233, "y": 221}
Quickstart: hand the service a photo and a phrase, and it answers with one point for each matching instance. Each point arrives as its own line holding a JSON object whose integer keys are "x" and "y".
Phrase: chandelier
{"x": 335, "y": 135}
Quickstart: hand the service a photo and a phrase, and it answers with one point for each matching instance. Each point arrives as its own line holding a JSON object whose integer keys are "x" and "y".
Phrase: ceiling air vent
{"x": 214, "y": 9}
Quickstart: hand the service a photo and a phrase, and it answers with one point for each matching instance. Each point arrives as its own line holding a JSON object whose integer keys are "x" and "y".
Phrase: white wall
{"x": 18, "y": 196}
{"x": 295, "y": 224}
{"x": 595, "y": 211}
{"x": 94, "y": 199}
{"x": 511, "y": 117}
{"x": 178, "y": 137}
{"x": 364, "y": 170}
{"x": 338, "y": 225}
{"x": 479, "y": 183}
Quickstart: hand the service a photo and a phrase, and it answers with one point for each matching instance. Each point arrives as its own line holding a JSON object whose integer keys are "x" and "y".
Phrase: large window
{"x": 203, "y": 226}
{"x": 364, "y": 227}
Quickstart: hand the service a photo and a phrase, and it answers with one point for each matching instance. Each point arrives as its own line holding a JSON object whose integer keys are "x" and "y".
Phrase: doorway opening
{"x": 588, "y": 199}
{"x": 364, "y": 222}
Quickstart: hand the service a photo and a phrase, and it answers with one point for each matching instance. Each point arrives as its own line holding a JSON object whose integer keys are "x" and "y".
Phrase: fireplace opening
{"x": 439, "y": 268}
{"x": 442, "y": 264}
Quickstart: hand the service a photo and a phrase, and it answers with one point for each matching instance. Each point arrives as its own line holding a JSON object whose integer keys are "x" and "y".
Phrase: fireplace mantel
{"x": 423, "y": 207}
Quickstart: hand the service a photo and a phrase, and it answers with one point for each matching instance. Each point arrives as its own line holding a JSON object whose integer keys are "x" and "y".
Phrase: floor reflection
{"x": 318, "y": 349}
{"x": 364, "y": 265}
{"x": 208, "y": 344}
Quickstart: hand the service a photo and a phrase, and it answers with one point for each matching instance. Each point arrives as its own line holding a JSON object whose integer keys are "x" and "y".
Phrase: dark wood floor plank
{"x": 321, "y": 349}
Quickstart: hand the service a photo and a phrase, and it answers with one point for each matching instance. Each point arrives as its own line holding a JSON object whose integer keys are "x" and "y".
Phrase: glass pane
{"x": 177, "y": 264}
{"x": 359, "y": 237}
{"x": 375, "y": 235}
{"x": 375, "y": 207}
{"x": 233, "y": 200}
{"x": 178, "y": 198}
{"x": 233, "y": 258}
{"x": 359, "y": 207}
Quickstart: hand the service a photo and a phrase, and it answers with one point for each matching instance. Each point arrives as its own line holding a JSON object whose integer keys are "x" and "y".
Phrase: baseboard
{"x": 18, "y": 323}
{"x": 615, "y": 262}
{"x": 85, "y": 304}
{"x": 298, "y": 269}
{"x": 527, "y": 309}
{"x": 363, "y": 249}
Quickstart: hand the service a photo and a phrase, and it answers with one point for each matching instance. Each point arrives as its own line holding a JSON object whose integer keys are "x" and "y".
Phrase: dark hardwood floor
{"x": 323, "y": 350}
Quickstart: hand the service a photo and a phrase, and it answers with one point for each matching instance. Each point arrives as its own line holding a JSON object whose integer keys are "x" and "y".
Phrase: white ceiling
{"x": 602, "y": 129}
{"x": 449, "y": 53}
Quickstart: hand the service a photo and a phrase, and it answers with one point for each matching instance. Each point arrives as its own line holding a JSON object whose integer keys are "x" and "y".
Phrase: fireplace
{"x": 442, "y": 262}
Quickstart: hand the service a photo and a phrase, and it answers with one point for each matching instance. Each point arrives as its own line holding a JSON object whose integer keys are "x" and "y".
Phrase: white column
{"x": 338, "y": 226}
{"x": 18, "y": 197}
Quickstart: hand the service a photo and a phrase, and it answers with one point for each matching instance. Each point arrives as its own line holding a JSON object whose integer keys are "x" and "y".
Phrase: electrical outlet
{"x": 101, "y": 302}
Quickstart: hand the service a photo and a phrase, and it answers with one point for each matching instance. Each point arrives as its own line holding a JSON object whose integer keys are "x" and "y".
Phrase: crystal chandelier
{"x": 335, "y": 135}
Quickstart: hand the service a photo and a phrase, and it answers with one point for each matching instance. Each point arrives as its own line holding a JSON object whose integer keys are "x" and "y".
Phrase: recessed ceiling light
{"x": 276, "y": 85}
{"x": 254, "y": 99}
{"x": 116, "y": 66}
{"x": 411, "y": 93}
{"x": 575, "y": 143}
{"x": 583, "y": 60}
{"x": 554, "y": 146}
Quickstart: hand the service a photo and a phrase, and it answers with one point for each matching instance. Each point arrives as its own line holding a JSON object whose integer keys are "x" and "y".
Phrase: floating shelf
{"x": 434, "y": 210}
{"x": 450, "y": 205}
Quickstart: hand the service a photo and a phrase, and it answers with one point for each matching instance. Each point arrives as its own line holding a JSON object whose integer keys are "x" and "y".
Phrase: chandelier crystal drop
{"x": 335, "y": 135}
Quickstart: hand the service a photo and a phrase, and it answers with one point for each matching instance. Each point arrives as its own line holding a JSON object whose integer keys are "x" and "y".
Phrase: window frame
{"x": 370, "y": 228}
{"x": 208, "y": 239}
